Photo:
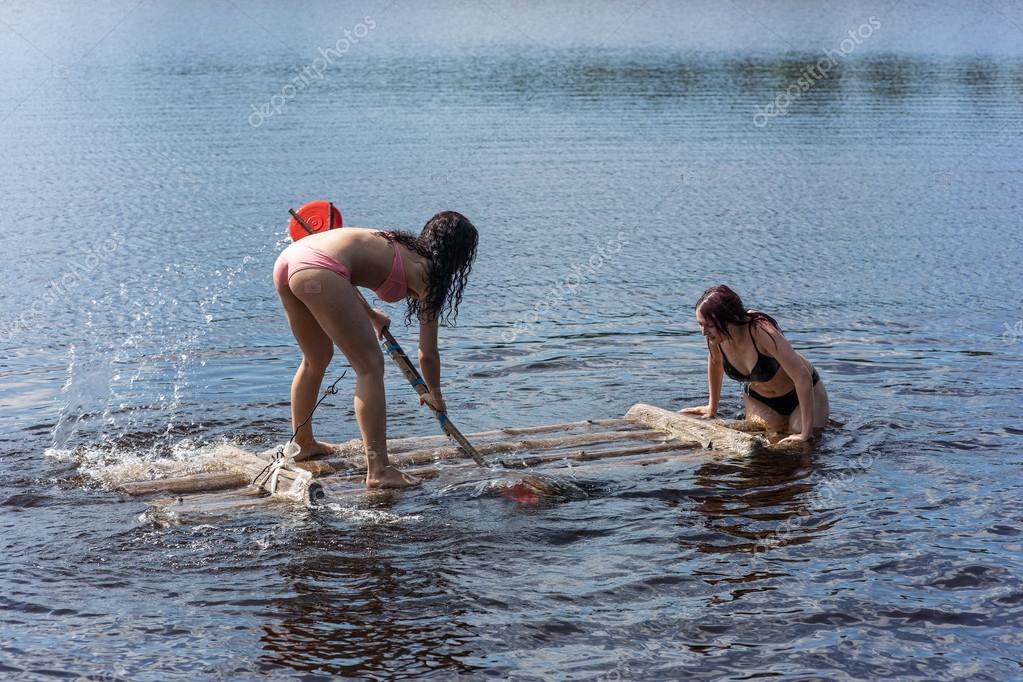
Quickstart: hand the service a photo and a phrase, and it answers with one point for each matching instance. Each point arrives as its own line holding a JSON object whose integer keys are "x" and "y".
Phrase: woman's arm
{"x": 715, "y": 372}
{"x": 429, "y": 364}
{"x": 796, "y": 367}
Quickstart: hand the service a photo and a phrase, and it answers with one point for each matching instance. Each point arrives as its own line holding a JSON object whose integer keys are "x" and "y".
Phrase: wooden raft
{"x": 646, "y": 435}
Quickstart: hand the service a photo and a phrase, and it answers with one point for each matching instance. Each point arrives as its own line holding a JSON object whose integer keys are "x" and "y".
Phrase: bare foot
{"x": 315, "y": 449}
{"x": 389, "y": 477}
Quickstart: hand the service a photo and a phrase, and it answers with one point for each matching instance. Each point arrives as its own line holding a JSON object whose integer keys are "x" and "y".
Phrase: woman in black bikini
{"x": 779, "y": 381}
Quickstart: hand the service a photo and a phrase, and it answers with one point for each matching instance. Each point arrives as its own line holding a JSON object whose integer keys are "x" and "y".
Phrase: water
{"x": 877, "y": 219}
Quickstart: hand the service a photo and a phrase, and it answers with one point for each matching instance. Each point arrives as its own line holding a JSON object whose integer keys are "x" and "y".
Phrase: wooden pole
{"x": 412, "y": 375}
{"x": 708, "y": 432}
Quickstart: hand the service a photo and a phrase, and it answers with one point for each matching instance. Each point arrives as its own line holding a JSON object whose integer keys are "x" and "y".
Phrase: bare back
{"x": 368, "y": 256}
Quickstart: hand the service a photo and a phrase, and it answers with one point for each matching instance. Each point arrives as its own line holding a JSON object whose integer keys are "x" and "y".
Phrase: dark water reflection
{"x": 877, "y": 218}
{"x": 357, "y": 613}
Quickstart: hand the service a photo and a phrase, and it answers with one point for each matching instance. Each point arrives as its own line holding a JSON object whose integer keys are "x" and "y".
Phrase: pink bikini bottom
{"x": 298, "y": 256}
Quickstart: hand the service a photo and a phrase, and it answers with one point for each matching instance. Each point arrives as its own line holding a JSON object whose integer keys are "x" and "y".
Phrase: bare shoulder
{"x": 765, "y": 333}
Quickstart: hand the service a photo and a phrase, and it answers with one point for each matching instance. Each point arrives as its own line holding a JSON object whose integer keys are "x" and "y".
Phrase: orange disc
{"x": 318, "y": 216}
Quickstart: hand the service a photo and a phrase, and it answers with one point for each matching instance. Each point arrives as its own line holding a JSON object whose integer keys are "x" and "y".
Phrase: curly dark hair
{"x": 449, "y": 241}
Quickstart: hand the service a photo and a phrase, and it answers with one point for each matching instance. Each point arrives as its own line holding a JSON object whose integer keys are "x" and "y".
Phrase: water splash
{"x": 368, "y": 517}
{"x": 110, "y": 464}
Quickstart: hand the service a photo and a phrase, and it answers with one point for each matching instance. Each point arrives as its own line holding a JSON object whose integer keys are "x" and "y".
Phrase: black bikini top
{"x": 764, "y": 370}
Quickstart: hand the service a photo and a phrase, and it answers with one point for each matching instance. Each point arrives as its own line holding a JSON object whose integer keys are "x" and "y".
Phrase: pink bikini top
{"x": 395, "y": 287}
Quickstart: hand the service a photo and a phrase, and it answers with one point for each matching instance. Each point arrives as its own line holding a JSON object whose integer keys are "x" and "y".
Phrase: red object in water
{"x": 522, "y": 493}
{"x": 318, "y": 216}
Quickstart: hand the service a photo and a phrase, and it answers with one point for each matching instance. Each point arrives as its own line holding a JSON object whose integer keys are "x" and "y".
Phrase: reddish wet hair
{"x": 722, "y": 306}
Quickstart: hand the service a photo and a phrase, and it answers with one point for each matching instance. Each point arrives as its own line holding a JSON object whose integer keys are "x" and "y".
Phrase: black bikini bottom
{"x": 783, "y": 404}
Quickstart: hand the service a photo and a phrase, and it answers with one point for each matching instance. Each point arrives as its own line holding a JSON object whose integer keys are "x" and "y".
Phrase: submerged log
{"x": 708, "y": 432}
{"x": 205, "y": 504}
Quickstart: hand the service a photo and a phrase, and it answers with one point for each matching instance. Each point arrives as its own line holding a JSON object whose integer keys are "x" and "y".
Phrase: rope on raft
{"x": 267, "y": 478}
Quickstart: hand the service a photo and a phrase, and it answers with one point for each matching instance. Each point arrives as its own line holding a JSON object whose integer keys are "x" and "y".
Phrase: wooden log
{"x": 590, "y": 467}
{"x": 402, "y": 444}
{"x": 582, "y": 455}
{"x": 536, "y": 460}
{"x": 594, "y": 455}
{"x": 708, "y": 432}
{"x": 237, "y": 476}
{"x": 354, "y": 447}
{"x": 567, "y": 426}
{"x": 186, "y": 484}
{"x": 206, "y": 504}
{"x": 426, "y": 455}
{"x": 316, "y": 467}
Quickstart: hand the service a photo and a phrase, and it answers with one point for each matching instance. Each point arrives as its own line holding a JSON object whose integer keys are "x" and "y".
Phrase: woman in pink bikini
{"x": 316, "y": 279}
{"x": 781, "y": 389}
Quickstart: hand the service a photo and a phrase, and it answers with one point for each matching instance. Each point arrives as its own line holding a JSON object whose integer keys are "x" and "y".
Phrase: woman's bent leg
{"x": 317, "y": 351}
{"x": 761, "y": 414}
{"x": 335, "y": 305}
{"x": 821, "y": 408}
